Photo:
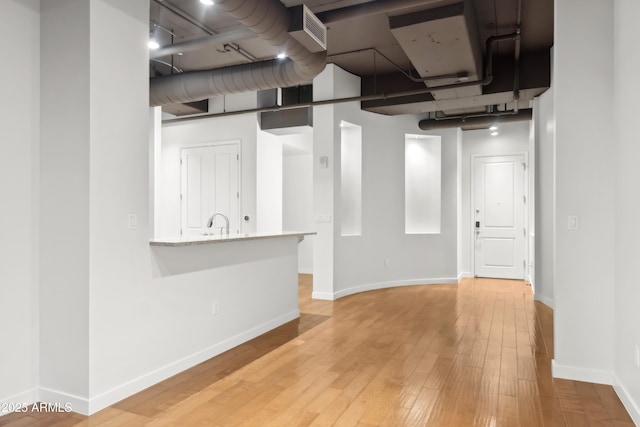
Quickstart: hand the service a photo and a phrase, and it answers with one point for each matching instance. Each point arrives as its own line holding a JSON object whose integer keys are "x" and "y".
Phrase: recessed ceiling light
{"x": 494, "y": 134}
{"x": 494, "y": 128}
{"x": 282, "y": 55}
{"x": 153, "y": 44}
{"x": 207, "y": 2}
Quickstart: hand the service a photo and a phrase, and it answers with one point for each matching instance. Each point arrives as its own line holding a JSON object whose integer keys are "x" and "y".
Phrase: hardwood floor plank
{"x": 612, "y": 403}
{"x": 551, "y": 412}
{"x": 530, "y": 410}
{"x": 508, "y": 412}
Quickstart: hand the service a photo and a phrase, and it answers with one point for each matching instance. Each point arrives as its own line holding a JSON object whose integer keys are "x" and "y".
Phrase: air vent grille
{"x": 315, "y": 28}
{"x": 307, "y": 29}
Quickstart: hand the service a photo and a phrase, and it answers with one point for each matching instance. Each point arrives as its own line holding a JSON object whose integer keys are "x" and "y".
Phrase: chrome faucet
{"x": 226, "y": 222}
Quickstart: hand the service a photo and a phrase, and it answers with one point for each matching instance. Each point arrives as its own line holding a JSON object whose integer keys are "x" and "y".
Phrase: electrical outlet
{"x": 215, "y": 308}
{"x": 636, "y": 358}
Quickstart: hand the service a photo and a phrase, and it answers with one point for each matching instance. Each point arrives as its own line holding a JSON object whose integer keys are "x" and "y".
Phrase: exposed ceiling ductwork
{"x": 269, "y": 20}
{"x": 427, "y": 57}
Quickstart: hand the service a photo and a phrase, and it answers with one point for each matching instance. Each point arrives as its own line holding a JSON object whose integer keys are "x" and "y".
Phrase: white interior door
{"x": 210, "y": 184}
{"x": 499, "y": 217}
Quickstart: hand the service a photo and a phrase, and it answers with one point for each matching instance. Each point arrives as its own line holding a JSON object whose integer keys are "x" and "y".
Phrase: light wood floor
{"x": 477, "y": 353}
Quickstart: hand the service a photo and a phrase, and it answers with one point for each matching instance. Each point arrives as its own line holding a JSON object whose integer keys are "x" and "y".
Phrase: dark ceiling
{"x": 360, "y": 40}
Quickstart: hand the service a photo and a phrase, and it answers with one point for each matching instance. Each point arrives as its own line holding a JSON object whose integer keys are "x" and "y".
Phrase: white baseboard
{"x": 328, "y": 296}
{"x": 464, "y": 274}
{"x": 18, "y": 401}
{"x": 304, "y": 270}
{"x": 582, "y": 374}
{"x": 136, "y": 385}
{"x": 78, "y": 404}
{"x": 381, "y": 285}
{"x": 630, "y": 405}
{"x": 545, "y": 300}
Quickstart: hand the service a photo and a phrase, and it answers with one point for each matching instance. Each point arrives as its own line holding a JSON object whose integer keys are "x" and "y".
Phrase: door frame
{"x": 472, "y": 195}
{"x": 236, "y": 142}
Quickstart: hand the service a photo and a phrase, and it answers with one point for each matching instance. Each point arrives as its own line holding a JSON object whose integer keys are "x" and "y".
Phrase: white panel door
{"x": 210, "y": 184}
{"x": 499, "y": 217}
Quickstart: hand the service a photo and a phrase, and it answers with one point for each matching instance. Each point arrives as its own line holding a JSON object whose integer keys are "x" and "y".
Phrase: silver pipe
{"x": 176, "y": 69}
{"x": 477, "y": 120}
{"x": 228, "y": 47}
{"x": 202, "y": 43}
{"x": 184, "y": 15}
{"x": 360, "y": 98}
{"x": 516, "y": 60}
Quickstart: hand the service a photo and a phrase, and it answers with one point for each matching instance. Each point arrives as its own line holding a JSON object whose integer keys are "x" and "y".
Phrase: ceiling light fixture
{"x": 493, "y": 128}
{"x": 207, "y": 2}
{"x": 282, "y": 55}
{"x": 153, "y": 43}
{"x": 494, "y": 133}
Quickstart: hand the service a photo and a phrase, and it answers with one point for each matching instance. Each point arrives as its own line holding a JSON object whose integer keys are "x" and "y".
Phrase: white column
{"x": 64, "y": 202}
{"x": 585, "y": 187}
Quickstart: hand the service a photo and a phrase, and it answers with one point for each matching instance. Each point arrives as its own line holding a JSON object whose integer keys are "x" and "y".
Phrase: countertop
{"x": 207, "y": 239}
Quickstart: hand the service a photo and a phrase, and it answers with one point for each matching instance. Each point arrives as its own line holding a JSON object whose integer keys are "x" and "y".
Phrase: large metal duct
{"x": 269, "y": 20}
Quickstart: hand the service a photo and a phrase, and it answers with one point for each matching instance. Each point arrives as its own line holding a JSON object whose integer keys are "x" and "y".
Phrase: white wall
{"x": 327, "y": 85}
{"x": 585, "y": 186}
{"x": 297, "y": 204}
{"x": 544, "y": 123}
{"x": 269, "y": 183}
{"x": 513, "y": 138}
{"x": 20, "y": 124}
{"x": 384, "y": 255}
{"x": 178, "y": 135}
{"x": 627, "y": 251}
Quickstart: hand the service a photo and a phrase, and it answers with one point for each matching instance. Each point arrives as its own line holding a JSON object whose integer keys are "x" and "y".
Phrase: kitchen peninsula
{"x": 227, "y": 289}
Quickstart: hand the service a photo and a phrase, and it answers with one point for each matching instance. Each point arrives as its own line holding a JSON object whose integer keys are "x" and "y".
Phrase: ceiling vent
{"x": 307, "y": 29}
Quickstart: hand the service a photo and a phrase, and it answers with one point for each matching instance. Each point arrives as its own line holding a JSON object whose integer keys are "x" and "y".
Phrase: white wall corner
{"x": 582, "y": 374}
{"x": 464, "y": 274}
{"x": 630, "y": 405}
{"x": 327, "y": 296}
{"x": 77, "y": 404}
{"x": 545, "y": 300}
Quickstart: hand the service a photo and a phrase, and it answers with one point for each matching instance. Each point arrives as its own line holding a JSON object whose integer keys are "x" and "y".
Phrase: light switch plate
{"x": 133, "y": 221}
{"x": 323, "y": 218}
{"x": 573, "y": 222}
